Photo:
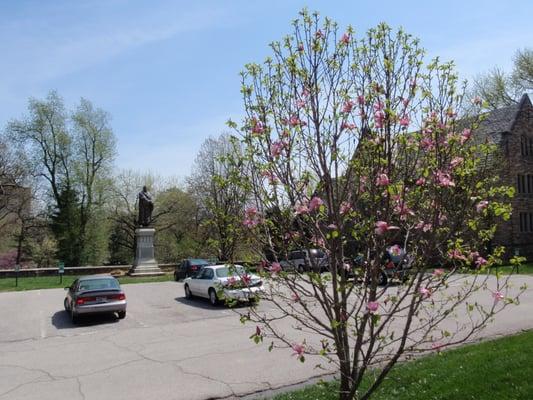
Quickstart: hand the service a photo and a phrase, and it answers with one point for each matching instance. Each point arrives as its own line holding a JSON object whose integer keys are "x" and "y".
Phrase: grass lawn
{"x": 500, "y": 369}
{"x": 49, "y": 282}
{"x": 525, "y": 269}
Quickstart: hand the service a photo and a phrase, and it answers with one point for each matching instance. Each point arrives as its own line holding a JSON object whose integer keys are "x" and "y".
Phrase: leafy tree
{"x": 357, "y": 139}
{"x": 215, "y": 184}
{"x": 72, "y": 154}
{"x": 499, "y": 88}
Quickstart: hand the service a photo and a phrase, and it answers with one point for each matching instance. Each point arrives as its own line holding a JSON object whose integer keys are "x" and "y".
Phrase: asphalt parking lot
{"x": 167, "y": 347}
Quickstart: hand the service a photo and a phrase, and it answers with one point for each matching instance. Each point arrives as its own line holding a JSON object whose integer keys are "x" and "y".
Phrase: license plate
{"x": 101, "y": 299}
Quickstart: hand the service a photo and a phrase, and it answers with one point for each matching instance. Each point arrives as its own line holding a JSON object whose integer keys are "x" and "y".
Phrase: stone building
{"x": 512, "y": 128}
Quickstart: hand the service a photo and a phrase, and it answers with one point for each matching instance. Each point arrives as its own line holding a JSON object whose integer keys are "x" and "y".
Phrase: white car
{"x": 228, "y": 281}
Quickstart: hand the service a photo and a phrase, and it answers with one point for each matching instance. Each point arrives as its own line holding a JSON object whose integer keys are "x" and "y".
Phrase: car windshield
{"x": 98, "y": 284}
{"x": 224, "y": 272}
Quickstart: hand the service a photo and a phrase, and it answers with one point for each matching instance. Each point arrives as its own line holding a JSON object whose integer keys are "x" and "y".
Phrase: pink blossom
{"x": 295, "y": 121}
{"x": 482, "y": 205}
{"x": 345, "y": 38}
{"x": 272, "y": 178}
{"x": 466, "y": 135}
{"x": 438, "y": 272}
{"x": 300, "y": 103}
{"x": 258, "y": 331}
{"x": 372, "y": 306}
{"x": 379, "y": 117}
{"x": 382, "y": 227}
{"x": 420, "y": 181}
{"x": 425, "y": 227}
{"x": 301, "y": 209}
{"x": 252, "y": 217}
{"x": 378, "y": 106}
{"x": 257, "y": 127}
{"x": 361, "y": 100}
{"x": 382, "y": 180}
{"x": 404, "y": 121}
{"x": 424, "y": 292}
{"x": 405, "y": 102}
{"x": 347, "y": 126}
{"x": 315, "y": 203}
{"x": 295, "y": 297}
{"x": 404, "y": 211}
{"x": 332, "y": 226}
{"x": 300, "y": 47}
{"x": 437, "y": 346}
{"x": 299, "y": 350}
{"x": 318, "y": 241}
{"x": 456, "y": 161}
{"x": 395, "y": 250}
{"x": 443, "y": 179}
{"x": 347, "y": 107}
{"x": 246, "y": 279}
{"x": 275, "y": 268}
{"x": 477, "y": 101}
{"x": 276, "y": 148}
{"x": 480, "y": 262}
{"x": 319, "y": 34}
{"x": 345, "y": 208}
{"x": 427, "y": 143}
{"x": 456, "y": 254}
{"x": 497, "y": 296}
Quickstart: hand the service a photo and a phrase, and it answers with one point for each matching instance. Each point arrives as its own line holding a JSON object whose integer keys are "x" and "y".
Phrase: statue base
{"x": 145, "y": 263}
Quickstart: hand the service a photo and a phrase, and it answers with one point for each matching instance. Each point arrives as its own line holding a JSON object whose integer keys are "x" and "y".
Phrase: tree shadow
{"x": 61, "y": 320}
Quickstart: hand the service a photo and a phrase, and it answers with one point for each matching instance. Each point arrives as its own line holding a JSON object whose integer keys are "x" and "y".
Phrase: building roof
{"x": 502, "y": 119}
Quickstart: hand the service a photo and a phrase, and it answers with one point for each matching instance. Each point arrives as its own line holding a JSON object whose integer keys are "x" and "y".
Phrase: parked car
{"x": 396, "y": 264}
{"x": 223, "y": 281}
{"x": 95, "y": 294}
{"x": 189, "y": 267}
{"x": 308, "y": 260}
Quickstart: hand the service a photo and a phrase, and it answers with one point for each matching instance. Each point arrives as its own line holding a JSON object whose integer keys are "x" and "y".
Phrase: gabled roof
{"x": 502, "y": 119}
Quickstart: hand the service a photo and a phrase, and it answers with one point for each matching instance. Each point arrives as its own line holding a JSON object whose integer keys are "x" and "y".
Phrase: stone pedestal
{"x": 145, "y": 263}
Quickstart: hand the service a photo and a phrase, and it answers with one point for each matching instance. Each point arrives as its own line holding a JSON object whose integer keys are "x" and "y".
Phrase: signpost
{"x": 61, "y": 270}
{"x": 17, "y": 269}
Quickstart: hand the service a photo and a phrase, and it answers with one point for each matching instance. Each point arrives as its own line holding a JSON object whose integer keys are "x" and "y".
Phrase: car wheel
{"x": 301, "y": 269}
{"x": 65, "y": 304}
{"x": 121, "y": 314}
{"x": 213, "y": 297}
{"x": 382, "y": 279}
{"x": 188, "y": 293}
{"x": 176, "y": 277}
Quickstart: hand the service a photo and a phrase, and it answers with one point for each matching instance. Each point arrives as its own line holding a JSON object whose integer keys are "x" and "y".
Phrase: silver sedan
{"x": 95, "y": 294}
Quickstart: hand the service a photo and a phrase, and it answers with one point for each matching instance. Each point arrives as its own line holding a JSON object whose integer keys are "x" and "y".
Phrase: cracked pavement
{"x": 166, "y": 348}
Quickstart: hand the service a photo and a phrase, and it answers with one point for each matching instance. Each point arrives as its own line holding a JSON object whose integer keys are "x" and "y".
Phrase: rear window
{"x": 226, "y": 271}
{"x": 98, "y": 284}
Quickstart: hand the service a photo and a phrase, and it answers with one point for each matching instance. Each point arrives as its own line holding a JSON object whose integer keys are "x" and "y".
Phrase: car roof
{"x": 97, "y": 276}
{"x": 198, "y": 260}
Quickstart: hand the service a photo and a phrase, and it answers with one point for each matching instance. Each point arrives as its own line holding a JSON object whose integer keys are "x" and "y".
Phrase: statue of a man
{"x": 146, "y": 206}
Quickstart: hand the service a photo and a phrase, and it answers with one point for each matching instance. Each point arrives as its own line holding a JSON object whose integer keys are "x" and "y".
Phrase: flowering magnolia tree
{"x": 354, "y": 147}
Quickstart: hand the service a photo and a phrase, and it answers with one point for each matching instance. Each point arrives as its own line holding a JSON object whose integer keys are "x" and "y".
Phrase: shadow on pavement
{"x": 61, "y": 320}
{"x": 200, "y": 302}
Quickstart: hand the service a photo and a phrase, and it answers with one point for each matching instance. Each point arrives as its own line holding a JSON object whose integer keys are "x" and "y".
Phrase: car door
{"x": 205, "y": 282}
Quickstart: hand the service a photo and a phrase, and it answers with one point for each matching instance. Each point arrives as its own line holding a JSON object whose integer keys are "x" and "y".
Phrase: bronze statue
{"x": 146, "y": 206}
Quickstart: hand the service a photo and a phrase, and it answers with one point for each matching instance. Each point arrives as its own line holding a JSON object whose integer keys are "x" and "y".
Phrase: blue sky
{"x": 167, "y": 71}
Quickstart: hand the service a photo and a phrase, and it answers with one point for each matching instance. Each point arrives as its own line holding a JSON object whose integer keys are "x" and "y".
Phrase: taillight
{"x": 79, "y": 302}
{"x": 82, "y": 300}
{"x": 194, "y": 267}
{"x": 122, "y": 296}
